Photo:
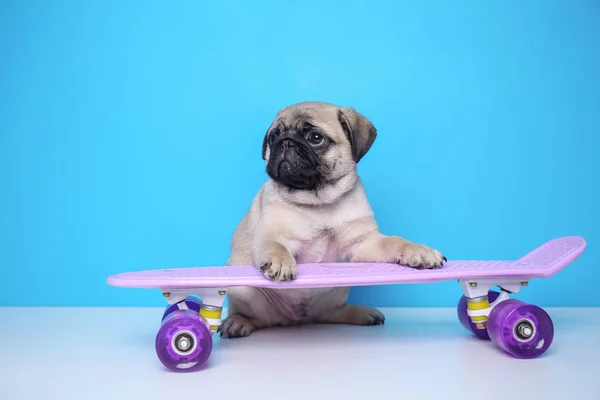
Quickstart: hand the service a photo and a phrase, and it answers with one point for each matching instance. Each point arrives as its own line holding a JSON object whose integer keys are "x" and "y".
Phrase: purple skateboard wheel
{"x": 520, "y": 329}
{"x": 193, "y": 303}
{"x": 183, "y": 342}
{"x": 464, "y": 319}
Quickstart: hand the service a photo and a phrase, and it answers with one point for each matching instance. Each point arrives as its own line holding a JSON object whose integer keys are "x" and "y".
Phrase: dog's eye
{"x": 273, "y": 136}
{"x": 315, "y": 138}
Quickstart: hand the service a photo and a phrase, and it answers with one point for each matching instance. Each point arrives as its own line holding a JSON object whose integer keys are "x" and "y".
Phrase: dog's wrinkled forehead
{"x": 300, "y": 115}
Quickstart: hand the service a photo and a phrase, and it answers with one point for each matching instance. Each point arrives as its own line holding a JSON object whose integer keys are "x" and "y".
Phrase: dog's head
{"x": 312, "y": 145}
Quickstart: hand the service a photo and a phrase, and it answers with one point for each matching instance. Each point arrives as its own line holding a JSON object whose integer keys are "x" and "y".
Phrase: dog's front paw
{"x": 419, "y": 256}
{"x": 235, "y": 326}
{"x": 279, "y": 265}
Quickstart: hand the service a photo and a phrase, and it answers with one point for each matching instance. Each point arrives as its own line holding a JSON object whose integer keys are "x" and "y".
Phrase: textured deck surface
{"x": 544, "y": 261}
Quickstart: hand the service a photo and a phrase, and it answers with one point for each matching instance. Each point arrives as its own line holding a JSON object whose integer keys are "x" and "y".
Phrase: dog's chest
{"x": 316, "y": 243}
{"x": 314, "y": 238}
{"x": 320, "y": 248}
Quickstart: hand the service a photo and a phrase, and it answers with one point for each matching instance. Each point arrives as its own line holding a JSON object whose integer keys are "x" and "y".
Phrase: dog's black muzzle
{"x": 293, "y": 164}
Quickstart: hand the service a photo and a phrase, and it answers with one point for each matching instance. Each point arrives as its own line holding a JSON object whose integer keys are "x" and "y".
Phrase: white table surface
{"x": 108, "y": 353}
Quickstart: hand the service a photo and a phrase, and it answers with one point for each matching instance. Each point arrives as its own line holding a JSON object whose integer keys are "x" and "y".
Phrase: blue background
{"x": 131, "y": 132}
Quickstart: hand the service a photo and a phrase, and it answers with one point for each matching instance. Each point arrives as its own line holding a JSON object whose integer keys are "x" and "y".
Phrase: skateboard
{"x": 195, "y": 297}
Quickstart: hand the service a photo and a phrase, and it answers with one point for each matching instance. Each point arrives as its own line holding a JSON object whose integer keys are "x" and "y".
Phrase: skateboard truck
{"x": 476, "y": 293}
{"x": 210, "y": 308}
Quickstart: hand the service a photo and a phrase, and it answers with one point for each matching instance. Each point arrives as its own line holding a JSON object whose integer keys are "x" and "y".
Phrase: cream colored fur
{"x": 332, "y": 224}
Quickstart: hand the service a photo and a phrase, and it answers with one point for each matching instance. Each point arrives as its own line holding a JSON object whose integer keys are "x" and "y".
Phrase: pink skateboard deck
{"x": 196, "y": 296}
{"x": 542, "y": 262}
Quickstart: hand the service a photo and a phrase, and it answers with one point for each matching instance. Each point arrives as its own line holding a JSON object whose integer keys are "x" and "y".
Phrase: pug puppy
{"x": 312, "y": 209}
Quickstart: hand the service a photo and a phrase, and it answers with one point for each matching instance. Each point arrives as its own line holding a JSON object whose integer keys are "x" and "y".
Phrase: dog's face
{"x": 313, "y": 145}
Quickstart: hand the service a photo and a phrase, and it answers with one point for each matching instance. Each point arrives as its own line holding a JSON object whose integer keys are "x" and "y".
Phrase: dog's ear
{"x": 265, "y": 144}
{"x": 359, "y": 130}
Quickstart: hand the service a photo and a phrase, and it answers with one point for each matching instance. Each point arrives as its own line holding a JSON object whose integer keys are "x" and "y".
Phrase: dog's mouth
{"x": 294, "y": 166}
{"x": 285, "y": 168}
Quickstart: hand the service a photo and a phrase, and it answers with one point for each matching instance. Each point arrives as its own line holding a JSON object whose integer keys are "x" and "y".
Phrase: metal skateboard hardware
{"x": 195, "y": 297}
